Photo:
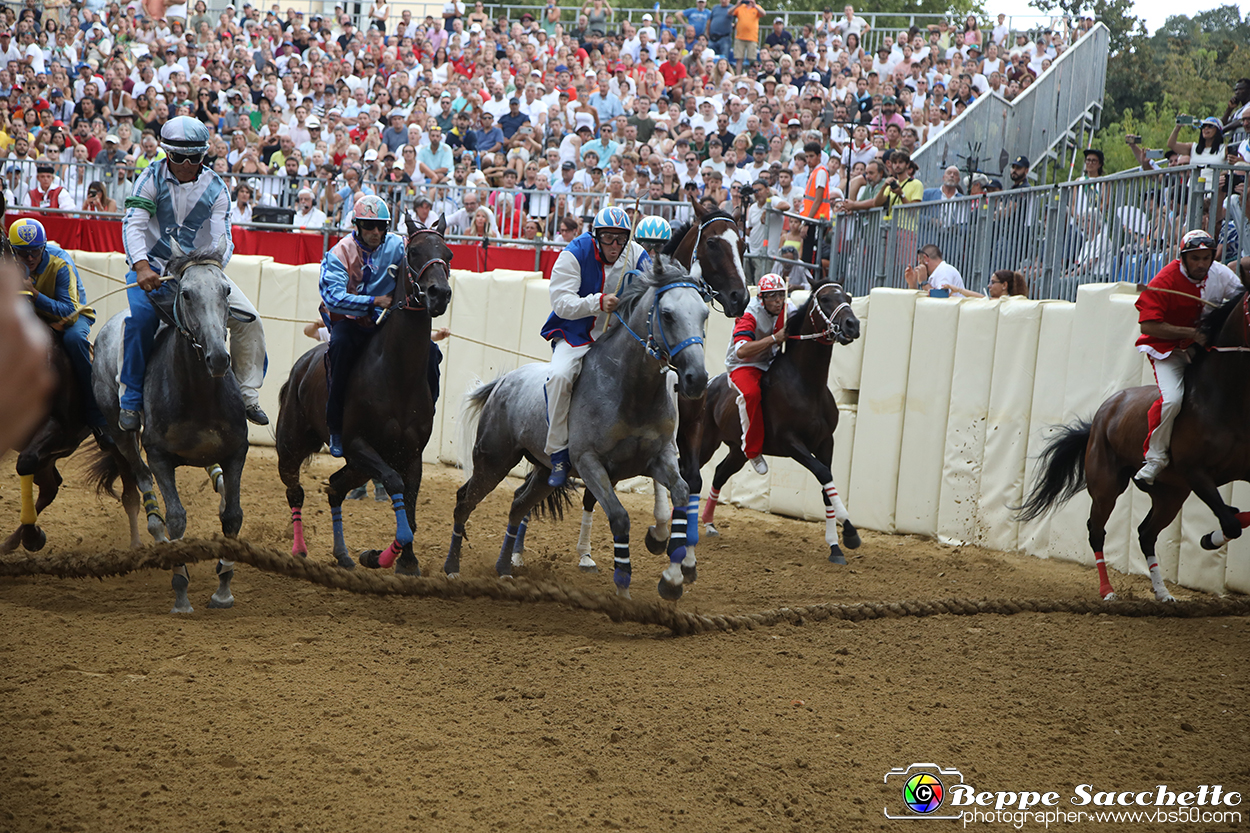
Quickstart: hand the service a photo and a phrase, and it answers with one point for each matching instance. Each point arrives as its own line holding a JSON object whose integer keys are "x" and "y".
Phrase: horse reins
{"x": 832, "y": 327}
{"x": 661, "y": 351}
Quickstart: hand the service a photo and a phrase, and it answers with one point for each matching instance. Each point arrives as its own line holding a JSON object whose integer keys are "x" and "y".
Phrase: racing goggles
{"x": 184, "y": 158}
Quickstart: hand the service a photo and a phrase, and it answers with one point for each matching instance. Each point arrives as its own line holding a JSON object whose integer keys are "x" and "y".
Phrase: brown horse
{"x": 800, "y": 413}
{"x": 1209, "y": 447}
{"x": 390, "y": 407}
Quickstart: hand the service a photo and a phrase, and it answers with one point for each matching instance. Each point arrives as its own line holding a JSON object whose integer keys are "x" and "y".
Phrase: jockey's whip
{"x": 1143, "y": 288}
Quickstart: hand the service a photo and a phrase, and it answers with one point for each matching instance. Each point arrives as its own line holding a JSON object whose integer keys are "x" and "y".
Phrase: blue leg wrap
{"x": 403, "y": 532}
{"x": 692, "y": 521}
{"x": 623, "y": 573}
{"x": 336, "y": 516}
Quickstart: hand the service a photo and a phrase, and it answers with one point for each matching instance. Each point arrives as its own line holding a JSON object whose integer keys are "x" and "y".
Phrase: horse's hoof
{"x": 1110, "y": 597}
{"x": 217, "y": 604}
{"x": 299, "y": 553}
{"x": 404, "y": 570}
{"x": 517, "y": 559}
{"x": 368, "y": 558}
{"x": 587, "y": 565}
{"x": 670, "y": 592}
{"x": 187, "y": 609}
{"x": 850, "y": 536}
{"x": 710, "y": 531}
{"x": 453, "y": 576}
{"x": 1166, "y": 598}
{"x": 33, "y": 538}
{"x": 835, "y": 555}
{"x": 690, "y": 574}
{"x": 655, "y": 545}
{"x": 1205, "y": 542}
{"x": 623, "y": 592}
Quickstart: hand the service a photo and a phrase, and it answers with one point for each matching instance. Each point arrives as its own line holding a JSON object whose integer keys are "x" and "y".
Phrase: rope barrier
{"x": 459, "y": 337}
{"x": 101, "y": 274}
{"x": 654, "y": 612}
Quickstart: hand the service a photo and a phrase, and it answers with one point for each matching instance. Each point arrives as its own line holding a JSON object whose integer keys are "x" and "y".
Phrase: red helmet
{"x": 772, "y": 282}
{"x": 1196, "y": 241}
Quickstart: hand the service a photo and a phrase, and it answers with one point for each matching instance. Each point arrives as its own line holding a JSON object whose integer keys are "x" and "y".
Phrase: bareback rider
{"x": 56, "y": 292}
{"x": 586, "y": 281}
{"x": 1170, "y": 307}
{"x": 757, "y": 338}
{"x": 358, "y": 279}
{"x": 177, "y": 198}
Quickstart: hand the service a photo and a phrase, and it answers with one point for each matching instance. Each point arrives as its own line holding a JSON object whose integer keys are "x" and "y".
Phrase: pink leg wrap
{"x": 709, "y": 508}
{"x": 1104, "y": 582}
{"x": 388, "y": 556}
{"x": 298, "y": 547}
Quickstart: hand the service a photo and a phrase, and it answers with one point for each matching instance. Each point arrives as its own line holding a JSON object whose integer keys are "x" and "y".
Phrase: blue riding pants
{"x": 76, "y": 339}
{"x": 138, "y": 334}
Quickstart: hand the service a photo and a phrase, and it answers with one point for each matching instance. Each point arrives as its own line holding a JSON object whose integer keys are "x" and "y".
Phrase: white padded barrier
{"x": 958, "y": 519}
{"x": 1049, "y": 379}
{"x": 932, "y": 364}
{"x": 1237, "y": 562}
{"x": 879, "y": 425}
{"x": 1007, "y": 421}
{"x": 284, "y": 340}
{"x": 847, "y": 363}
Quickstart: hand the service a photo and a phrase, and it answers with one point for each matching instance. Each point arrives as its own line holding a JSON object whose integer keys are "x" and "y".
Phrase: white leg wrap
{"x": 663, "y": 511}
{"x": 583, "y": 537}
{"x": 1218, "y": 539}
{"x": 1156, "y": 579}
{"x": 835, "y": 503}
{"x": 831, "y": 527}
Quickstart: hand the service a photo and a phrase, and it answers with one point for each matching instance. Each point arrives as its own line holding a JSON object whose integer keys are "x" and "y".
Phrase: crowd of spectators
{"x": 512, "y": 128}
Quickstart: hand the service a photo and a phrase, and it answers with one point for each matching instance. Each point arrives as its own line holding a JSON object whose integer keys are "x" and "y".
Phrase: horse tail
{"x": 103, "y": 468}
{"x": 1061, "y": 472}
{"x": 552, "y": 506}
{"x": 466, "y": 433}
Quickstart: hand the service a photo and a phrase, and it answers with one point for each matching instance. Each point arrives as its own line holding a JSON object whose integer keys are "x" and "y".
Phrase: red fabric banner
{"x": 96, "y": 235}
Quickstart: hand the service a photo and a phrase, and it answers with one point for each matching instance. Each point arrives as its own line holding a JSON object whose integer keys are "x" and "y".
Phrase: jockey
{"x": 653, "y": 233}
{"x": 357, "y": 283}
{"x": 586, "y": 280}
{"x": 177, "y": 198}
{"x": 757, "y": 337}
{"x": 56, "y": 292}
{"x": 1169, "y": 326}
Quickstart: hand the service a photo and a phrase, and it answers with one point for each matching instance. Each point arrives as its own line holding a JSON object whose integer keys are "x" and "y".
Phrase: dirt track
{"x": 306, "y": 708}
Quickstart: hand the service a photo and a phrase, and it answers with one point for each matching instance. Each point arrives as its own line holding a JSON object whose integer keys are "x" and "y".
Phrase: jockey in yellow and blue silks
{"x": 357, "y": 284}
{"x": 177, "y": 198}
{"x": 57, "y": 295}
{"x": 586, "y": 281}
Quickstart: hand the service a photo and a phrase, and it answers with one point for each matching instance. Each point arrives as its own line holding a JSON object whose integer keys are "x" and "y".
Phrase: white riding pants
{"x": 247, "y": 347}
{"x": 566, "y": 364}
{"x": 1170, "y": 375}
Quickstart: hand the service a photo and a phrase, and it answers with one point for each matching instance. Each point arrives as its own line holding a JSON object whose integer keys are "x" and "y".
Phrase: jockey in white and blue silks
{"x": 586, "y": 280}
{"x": 177, "y": 198}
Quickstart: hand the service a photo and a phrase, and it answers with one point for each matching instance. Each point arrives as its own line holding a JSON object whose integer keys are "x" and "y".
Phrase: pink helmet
{"x": 772, "y": 282}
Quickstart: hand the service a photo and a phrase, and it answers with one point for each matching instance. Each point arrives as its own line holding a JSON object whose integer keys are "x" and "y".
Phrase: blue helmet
{"x": 612, "y": 218}
{"x": 370, "y": 207}
{"x": 183, "y": 134}
{"x": 653, "y": 230}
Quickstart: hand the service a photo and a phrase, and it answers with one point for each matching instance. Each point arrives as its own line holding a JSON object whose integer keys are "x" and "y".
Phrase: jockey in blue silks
{"x": 586, "y": 281}
{"x": 177, "y": 198}
{"x": 358, "y": 278}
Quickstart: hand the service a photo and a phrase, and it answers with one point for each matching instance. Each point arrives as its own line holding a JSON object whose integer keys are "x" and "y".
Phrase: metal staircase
{"x": 1050, "y": 122}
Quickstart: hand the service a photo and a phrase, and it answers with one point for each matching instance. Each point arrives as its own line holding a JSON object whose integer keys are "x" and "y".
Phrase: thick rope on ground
{"x": 654, "y": 612}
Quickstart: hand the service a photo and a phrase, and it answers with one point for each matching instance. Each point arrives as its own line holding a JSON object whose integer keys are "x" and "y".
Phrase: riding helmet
{"x": 371, "y": 207}
{"x": 1196, "y": 240}
{"x": 612, "y": 218}
{"x": 653, "y": 230}
{"x": 183, "y": 134}
{"x": 772, "y": 282}
{"x": 27, "y": 234}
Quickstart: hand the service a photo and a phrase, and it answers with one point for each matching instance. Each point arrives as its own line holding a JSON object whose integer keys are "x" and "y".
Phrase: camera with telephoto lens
{"x": 747, "y": 191}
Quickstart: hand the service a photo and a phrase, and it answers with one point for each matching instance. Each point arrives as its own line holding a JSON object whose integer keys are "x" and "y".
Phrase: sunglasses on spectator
{"x": 184, "y": 158}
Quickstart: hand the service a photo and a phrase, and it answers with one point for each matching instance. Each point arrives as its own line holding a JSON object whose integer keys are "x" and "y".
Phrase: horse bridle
{"x": 712, "y": 295}
{"x": 414, "y": 280}
{"x": 173, "y": 316}
{"x": 661, "y": 350}
{"x": 832, "y": 328}
{"x": 1245, "y": 330}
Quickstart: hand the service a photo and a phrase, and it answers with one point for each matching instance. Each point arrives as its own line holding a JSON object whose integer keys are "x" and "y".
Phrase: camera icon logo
{"x": 923, "y": 788}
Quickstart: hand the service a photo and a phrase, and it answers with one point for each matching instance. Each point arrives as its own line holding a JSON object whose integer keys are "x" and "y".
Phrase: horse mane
{"x": 1214, "y": 323}
{"x": 679, "y": 233}
{"x": 205, "y": 253}
{"x": 636, "y": 290}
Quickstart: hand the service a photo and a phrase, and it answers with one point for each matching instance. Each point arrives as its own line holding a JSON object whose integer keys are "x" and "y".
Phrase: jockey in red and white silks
{"x": 757, "y": 337}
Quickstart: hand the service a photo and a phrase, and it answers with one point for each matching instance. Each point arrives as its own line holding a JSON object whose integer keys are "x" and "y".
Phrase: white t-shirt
{"x": 945, "y": 276}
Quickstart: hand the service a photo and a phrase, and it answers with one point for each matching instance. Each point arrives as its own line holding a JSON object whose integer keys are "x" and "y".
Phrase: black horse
{"x": 390, "y": 408}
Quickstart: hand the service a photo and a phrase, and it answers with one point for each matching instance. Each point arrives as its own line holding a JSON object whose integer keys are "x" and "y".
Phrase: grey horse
{"x": 622, "y": 418}
{"x": 193, "y": 413}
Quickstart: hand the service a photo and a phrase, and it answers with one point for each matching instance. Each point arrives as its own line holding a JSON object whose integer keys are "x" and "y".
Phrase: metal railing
{"x": 1036, "y": 124}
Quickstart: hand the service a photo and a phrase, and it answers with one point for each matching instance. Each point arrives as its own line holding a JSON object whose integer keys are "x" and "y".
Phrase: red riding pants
{"x": 746, "y": 380}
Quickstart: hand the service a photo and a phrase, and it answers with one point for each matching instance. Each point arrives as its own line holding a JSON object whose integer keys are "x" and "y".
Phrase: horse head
{"x": 676, "y": 323}
{"x": 829, "y": 316}
{"x": 717, "y": 257}
{"x": 200, "y": 303}
{"x": 426, "y": 283}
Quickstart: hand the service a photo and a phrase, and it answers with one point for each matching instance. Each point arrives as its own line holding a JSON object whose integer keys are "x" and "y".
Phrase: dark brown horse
{"x": 390, "y": 408}
{"x": 800, "y": 413}
{"x": 1209, "y": 447}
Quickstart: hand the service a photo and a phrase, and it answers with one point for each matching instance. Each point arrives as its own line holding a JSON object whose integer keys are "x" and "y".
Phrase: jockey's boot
{"x": 559, "y": 468}
{"x": 129, "y": 420}
{"x": 1147, "y": 473}
{"x": 759, "y": 464}
{"x": 256, "y": 415}
{"x": 336, "y": 445}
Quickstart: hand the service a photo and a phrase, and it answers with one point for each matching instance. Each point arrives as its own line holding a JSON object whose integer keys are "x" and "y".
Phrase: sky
{"x": 1154, "y": 12}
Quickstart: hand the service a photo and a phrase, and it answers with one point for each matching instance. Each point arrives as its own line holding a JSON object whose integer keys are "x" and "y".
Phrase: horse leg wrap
{"x": 152, "y": 507}
{"x": 403, "y": 533}
{"x": 583, "y": 537}
{"x": 457, "y": 536}
{"x": 710, "y": 509}
{"x": 388, "y": 556}
{"x": 677, "y": 539}
{"x": 1104, "y": 582}
{"x": 620, "y": 558}
{"x": 692, "y": 521}
{"x": 503, "y": 566}
{"x": 1217, "y": 538}
{"x": 1156, "y": 579}
{"x": 29, "y": 515}
{"x": 298, "y": 547}
{"x": 336, "y": 520}
{"x": 835, "y": 503}
{"x": 520, "y": 535}
{"x": 215, "y": 477}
